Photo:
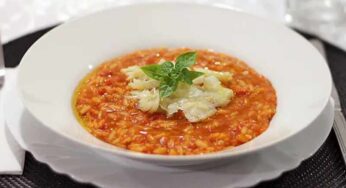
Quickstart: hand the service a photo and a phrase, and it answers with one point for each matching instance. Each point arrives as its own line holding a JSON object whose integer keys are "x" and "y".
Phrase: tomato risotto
{"x": 105, "y": 105}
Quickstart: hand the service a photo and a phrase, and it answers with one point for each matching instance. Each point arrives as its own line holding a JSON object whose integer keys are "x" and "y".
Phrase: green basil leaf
{"x": 189, "y": 76}
{"x": 185, "y": 60}
{"x": 167, "y": 67}
{"x": 167, "y": 88}
{"x": 175, "y": 76}
{"x": 165, "y": 91}
{"x": 153, "y": 71}
{"x": 170, "y": 75}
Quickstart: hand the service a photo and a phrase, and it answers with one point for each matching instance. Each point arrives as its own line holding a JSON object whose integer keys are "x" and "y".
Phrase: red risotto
{"x": 101, "y": 105}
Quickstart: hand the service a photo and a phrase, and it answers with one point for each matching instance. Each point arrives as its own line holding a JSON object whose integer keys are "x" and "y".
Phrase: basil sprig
{"x": 170, "y": 75}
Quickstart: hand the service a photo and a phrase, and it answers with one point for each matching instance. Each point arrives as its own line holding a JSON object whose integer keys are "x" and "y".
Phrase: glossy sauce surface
{"x": 102, "y": 104}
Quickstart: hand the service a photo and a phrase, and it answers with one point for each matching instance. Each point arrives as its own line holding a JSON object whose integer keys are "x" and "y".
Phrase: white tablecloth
{"x": 19, "y": 17}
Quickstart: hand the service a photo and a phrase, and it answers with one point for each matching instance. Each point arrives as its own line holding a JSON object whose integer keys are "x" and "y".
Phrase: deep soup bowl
{"x": 51, "y": 69}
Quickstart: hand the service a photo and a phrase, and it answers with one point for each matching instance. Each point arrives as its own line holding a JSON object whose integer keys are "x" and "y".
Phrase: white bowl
{"x": 52, "y": 67}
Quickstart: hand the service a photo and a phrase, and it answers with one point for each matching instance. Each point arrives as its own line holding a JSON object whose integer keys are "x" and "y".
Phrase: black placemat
{"x": 323, "y": 169}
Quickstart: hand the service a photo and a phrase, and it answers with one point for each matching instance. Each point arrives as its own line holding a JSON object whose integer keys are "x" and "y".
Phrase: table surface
{"x": 324, "y": 169}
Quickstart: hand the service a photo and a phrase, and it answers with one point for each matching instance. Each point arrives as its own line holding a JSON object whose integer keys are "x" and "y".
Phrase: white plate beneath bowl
{"x": 67, "y": 157}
